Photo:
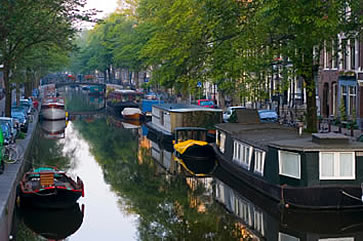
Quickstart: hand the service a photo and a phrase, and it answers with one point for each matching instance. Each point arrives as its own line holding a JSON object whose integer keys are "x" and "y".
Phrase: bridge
{"x": 61, "y": 84}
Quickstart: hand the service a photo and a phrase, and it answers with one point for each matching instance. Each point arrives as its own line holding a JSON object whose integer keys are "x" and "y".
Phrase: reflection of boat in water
{"x": 199, "y": 169}
{"x": 49, "y": 188}
{"x": 53, "y": 129}
{"x": 53, "y": 109}
{"x": 270, "y": 221}
{"x": 53, "y": 224}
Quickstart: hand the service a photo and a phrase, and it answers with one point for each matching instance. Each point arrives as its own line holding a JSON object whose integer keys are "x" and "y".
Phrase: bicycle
{"x": 10, "y": 154}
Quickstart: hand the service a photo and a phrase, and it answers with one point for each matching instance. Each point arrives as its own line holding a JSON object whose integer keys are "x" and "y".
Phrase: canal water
{"x": 136, "y": 190}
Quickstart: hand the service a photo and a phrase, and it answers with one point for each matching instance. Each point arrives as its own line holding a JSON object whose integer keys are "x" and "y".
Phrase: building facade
{"x": 340, "y": 83}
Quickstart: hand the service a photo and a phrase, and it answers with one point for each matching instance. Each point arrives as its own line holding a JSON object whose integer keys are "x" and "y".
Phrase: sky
{"x": 107, "y": 6}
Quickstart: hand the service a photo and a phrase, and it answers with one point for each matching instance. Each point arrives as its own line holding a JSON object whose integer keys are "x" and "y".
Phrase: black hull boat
{"x": 49, "y": 188}
{"x": 198, "y": 153}
{"x": 318, "y": 197}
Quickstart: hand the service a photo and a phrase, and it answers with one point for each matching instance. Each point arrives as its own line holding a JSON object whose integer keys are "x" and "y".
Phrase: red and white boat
{"x": 131, "y": 113}
{"x": 53, "y": 109}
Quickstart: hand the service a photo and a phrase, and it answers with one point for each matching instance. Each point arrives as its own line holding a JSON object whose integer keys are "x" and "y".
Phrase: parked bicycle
{"x": 10, "y": 154}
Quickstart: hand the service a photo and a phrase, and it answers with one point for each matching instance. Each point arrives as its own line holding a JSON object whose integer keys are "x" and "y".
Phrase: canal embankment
{"x": 11, "y": 177}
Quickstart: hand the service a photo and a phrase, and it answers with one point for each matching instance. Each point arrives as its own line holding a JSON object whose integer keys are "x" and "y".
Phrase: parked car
{"x": 230, "y": 110}
{"x": 206, "y": 103}
{"x": 12, "y": 124}
{"x": 268, "y": 115}
{"x": 20, "y": 108}
{"x": 6, "y": 129}
{"x": 21, "y": 119}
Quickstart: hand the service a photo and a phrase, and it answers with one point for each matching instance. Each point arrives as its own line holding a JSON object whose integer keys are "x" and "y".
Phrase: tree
{"x": 25, "y": 24}
{"x": 301, "y": 29}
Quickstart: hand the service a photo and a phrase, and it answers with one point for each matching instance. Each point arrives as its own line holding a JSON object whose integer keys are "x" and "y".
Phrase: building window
{"x": 349, "y": 94}
{"x": 221, "y": 140}
{"x": 336, "y": 165}
{"x": 259, "y": 161}
{"x": 290, "y": 164}
{"x": 286, "y": 237}
{"x": 242, "y": 154}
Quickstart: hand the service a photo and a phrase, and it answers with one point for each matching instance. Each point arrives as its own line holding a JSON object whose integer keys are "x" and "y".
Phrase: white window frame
{"x": 222, "y": 141}
{"x": 240, "y": 154}
{"x": 337, "y": 166}
{"x": 287, "y": 237}
{"x": 280, "y": 164}
{"x": 260, "y": 157}
{"x": 337, "y": 239}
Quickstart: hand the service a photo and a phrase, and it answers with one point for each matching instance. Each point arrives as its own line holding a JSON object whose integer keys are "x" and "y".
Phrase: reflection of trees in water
{"x": 25, "y": 234}
{"x": 49, "y": 152}
{"x": 78, "y": 100}
{"x": 168, "y": 208}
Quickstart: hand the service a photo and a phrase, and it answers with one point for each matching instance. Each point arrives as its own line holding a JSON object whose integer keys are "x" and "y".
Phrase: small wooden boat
{"x": 49, "y": 188}
{"x": 190, "y": 144}
{"x": 131, "y": 113}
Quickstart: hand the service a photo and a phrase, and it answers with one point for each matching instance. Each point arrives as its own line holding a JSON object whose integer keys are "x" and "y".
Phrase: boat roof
{"x": 180, "y": 108}
{"x": 263, "y": 135}
{"x": 126, "y": 91}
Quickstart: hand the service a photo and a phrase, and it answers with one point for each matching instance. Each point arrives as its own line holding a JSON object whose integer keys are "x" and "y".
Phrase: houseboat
{"x": 119, "y": 99}
{"x": 267, "y": 221}
{"x": 96, "y": 90}
{"x": 315, "y": 171}
{"x": 53, "y": 109}
{"x": 167, "y": 117}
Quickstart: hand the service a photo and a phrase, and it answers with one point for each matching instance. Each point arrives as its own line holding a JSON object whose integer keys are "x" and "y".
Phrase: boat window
{"x": 286, "y": 237}
{"x": 242, "y": 154}
{"x": 336, "y": 165}
{"x": 222, "y": 141}
{"x": 337, "y": 239}
{"x": 259, "y": 161}
{"x": 289, "y": 164}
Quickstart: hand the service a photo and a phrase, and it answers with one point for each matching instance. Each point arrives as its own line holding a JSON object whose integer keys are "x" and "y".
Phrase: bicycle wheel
{"x": 2, "y": 166}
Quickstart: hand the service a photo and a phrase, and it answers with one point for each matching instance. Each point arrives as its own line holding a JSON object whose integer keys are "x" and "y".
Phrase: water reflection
{"x": 53, "y": 129}
{"x": 55, "y": 224}
{"x": 77, "y": 101}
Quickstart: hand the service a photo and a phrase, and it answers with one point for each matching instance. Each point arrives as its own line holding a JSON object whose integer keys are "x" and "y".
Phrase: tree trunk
{"x": 137, "y": 84}
{"x": 311, "y": 116}
{"x": 7, "y": 90}
{"x": 28, "y": 84}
